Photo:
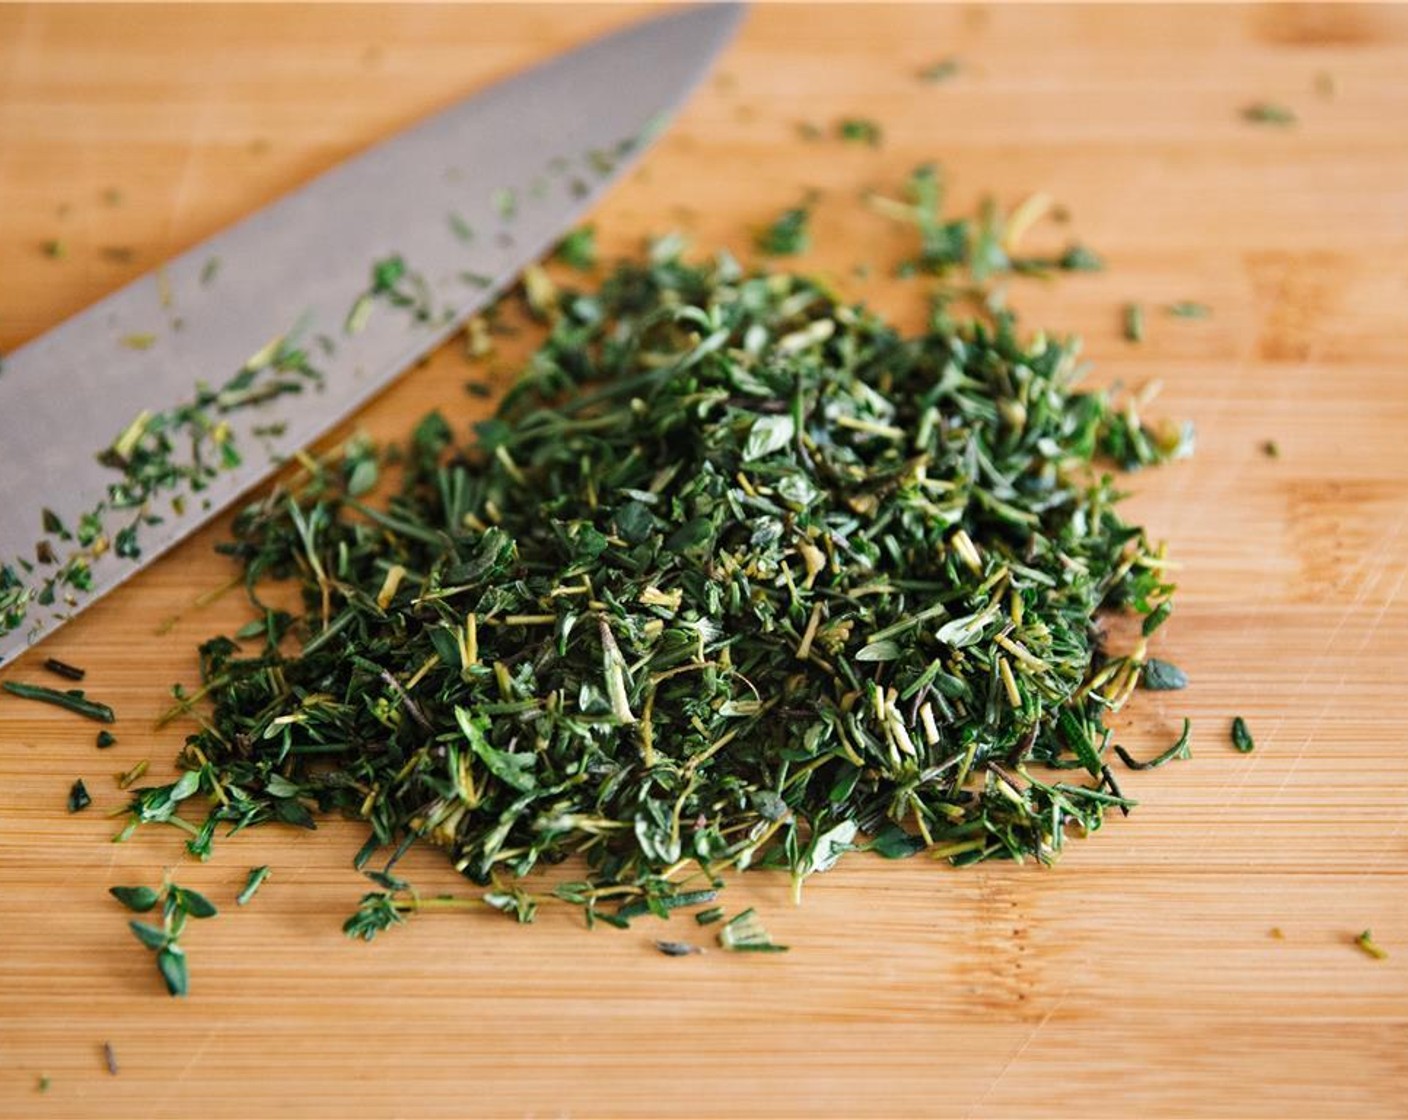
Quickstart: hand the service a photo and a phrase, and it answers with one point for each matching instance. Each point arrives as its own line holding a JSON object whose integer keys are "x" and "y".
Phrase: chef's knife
{"x": 128, "y": 426}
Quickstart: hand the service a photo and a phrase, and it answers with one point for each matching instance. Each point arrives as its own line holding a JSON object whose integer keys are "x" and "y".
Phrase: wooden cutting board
{"x": 1141, "y": 975}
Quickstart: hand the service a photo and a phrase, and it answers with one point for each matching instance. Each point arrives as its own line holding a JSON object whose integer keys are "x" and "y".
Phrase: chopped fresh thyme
{"x": 1187, "y": 309}
{"x": 1271, "y": 449}
{"x": 55, "y": 249}
{"x": 177, "y": 905}
{"x": 736, "y": 576}
{"x": 106, "y": 739}
{"x": 1370, "y": 947}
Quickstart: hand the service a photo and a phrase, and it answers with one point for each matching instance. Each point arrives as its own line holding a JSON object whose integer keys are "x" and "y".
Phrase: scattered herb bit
{"x": 1179, "y": 750}
{"x": 986, "y": 246}
{"x": 110, "y": 1058}
{"x": 578, "y": 249}
{"x": 860, "y": 130}
{"x": 78, "y": 798}
{"x": 1133, "y": 322}
{"x": 1367, "y": 944}
{"x": 56, "y": 249}
{"x": 1162, "y": 676}
{"x": 1079, "y": 259}
{"x": 64, "y": 669}
{"x": 787, "y": 236}
{"x": 73, "y": 700}
{"x": 42, "y": 1084}
{"x": 1271, "y": 449}
{"x": 1264, "y": 112}
{"x": 256, "y": 878}
{"x": 744, "y": 933}
{"x": 677, "y": 948}
{"x": 709, "y": 916}
{"x": 940, "y": 71}
{"x": 1187, "y": 309}
{"x": 177, "y": 905}
{"x": 106, "y": 739}
{"x": 736, "y": 575}
{"x": 1276, "y": 934}
{"x": 1241, "y": 737}
{"x": 126, "y": 779}
{"x": 810, "y": 132}
{"x": 460, "y": 228}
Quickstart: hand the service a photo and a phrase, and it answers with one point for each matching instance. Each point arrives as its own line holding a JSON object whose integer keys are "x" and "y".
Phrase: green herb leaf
{"x": 140, "y": 899}
{"x": 1162, "y": 676}
{"x": 171, "y": 963}
{"x": 1241, "y": 737}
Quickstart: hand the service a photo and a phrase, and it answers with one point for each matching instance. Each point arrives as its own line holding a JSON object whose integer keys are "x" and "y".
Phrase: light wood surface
{"x": 1138, "y": 977}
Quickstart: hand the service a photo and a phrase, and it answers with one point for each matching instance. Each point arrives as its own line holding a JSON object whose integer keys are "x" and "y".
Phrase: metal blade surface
{"x": 131, "y": 424}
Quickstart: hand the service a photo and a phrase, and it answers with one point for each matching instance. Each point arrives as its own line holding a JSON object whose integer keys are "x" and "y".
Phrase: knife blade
{"x": 131, "y": 424}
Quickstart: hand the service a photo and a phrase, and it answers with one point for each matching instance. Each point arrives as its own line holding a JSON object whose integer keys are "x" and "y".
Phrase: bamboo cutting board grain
{"x": 1139, "y": 976}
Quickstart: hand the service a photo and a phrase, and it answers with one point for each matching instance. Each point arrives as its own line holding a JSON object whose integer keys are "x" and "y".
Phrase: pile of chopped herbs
{"x": 737, "y": 576}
